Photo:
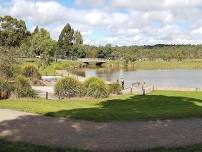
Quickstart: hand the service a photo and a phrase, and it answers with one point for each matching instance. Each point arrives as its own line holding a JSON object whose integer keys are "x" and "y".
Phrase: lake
{"x": 158, "y": 78}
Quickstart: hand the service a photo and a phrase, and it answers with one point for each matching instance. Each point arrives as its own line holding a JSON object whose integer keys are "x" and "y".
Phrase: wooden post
{"x": 46, "y": 95}
{"x": 143, "y": 90}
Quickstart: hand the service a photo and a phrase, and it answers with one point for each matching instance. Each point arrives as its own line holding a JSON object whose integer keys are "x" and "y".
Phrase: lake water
{"x": 158, "y": 78}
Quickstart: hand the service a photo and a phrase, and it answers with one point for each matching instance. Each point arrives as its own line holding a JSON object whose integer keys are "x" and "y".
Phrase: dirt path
{"x": 113, "y": 136}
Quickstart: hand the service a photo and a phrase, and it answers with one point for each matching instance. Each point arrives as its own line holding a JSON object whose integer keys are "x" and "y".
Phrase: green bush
{"x": 5, "y": 89}
{"x": 96, "y": 88}
{"x": 68, "y": 87}
{"x": 30, "y": 71}
{"x": 115, "y": 88}
{"x": 23, "y": 87}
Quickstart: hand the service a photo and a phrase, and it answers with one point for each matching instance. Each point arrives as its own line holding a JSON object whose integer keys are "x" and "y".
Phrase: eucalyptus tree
{"x": 12, "y": 31}
{"x": 66, "y": 40}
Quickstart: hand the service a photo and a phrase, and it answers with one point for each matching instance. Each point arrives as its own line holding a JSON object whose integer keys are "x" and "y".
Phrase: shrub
{"x": 23, "y": 87}
{"x": 68, "y": 87}
{"x": 5, "y": 89}
{"x": 30, "y": 71}
{"x": 96, "y": 88}
{"x": 115, "y": 88}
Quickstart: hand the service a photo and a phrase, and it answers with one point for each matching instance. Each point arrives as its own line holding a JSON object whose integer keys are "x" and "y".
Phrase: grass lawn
{"x": 157, "y": 105}
{"x": 6, "y": 146}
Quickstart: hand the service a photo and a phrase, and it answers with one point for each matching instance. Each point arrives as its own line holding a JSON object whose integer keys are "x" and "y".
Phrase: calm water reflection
{"x": 160, "y": 78}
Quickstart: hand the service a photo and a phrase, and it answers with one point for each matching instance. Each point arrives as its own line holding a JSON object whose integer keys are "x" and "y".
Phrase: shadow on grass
{"x": 114, "y": 136}
{"x": 150, "y": 107}
{"x": 8, "y": 146}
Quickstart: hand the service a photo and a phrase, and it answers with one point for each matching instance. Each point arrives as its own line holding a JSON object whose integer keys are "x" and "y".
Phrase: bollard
{"x": 46, "y": 95}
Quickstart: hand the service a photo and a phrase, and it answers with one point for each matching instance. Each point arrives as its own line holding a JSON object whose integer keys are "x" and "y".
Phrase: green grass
{"x": 51, "y": 69}
{"x": 157, "y": 105}
{"x": 60, "y": 65}
{"x": 7, "y": 146}
{"x": 150, "y": 65}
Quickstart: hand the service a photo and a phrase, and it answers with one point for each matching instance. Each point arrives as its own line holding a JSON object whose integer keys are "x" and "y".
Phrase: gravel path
{"x": 113, "y": 136}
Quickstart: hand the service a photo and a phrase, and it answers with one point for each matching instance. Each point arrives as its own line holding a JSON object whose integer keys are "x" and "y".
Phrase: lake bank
{"x": 152, "y": 65}
{"x": 117, "y": 64}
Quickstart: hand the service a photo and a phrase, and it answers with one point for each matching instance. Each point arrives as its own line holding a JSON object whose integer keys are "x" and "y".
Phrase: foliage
{"x": 5, "y": 89}
{"x": 68, "y": 87}
{"x": 23, "y": 87}
{"x": 63, "y": 65}
{"x": 12, "y": 31}
{"x": 40, "y": 44}
{"x": 115, "y": 88}
{"x": 65, "y": 41}
{"x": 96, "y": 87}
{"x": 8, "y": 62}
{"x": 30, "y": 71}
{"x": 78, "y": 38}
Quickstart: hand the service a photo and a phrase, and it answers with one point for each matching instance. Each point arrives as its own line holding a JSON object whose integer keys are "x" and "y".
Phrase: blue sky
{"x": 119, "y": 22}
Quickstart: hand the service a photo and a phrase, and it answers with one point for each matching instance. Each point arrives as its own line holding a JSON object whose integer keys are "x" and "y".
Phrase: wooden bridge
{"x": 97, "y": 61}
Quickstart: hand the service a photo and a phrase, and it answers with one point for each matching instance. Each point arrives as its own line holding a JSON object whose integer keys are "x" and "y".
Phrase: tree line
{"x": 14, "y": 34}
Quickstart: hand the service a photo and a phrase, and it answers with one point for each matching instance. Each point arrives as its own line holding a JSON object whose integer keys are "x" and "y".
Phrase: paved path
{"x": 113, "y": 136}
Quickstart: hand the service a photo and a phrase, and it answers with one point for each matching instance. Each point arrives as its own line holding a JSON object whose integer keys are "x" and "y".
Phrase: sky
{"x": 119, "y": 22}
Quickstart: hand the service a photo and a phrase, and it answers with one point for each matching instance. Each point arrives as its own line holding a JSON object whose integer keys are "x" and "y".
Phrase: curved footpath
{"x": 113, "y": 136}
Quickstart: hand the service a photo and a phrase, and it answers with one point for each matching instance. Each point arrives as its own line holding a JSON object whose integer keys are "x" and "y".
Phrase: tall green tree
{"x": 36, "y": 30}
{"x": 78, "y": 38}
{"x": 79, "y": 50}
{"x": 12, "y": 31}
{"x": 66, "y": 39}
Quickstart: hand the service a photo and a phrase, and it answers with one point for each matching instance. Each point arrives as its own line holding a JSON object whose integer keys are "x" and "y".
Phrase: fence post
{"x": 46, "y": 95}
{"x": 143, "y": 90}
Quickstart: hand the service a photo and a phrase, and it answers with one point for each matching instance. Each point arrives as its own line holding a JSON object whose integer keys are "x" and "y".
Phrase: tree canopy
{"x": 12, "y": 31}
{"x": 65, "y": 41}
{"x": 14, "y": 34}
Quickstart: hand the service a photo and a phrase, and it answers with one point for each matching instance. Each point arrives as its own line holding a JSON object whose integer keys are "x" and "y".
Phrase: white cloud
{"x": 124, "y": 22}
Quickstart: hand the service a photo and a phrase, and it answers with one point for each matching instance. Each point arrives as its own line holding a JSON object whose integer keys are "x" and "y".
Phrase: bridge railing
{"x": 92, "y": 60}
